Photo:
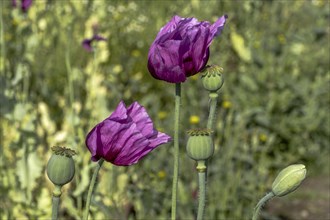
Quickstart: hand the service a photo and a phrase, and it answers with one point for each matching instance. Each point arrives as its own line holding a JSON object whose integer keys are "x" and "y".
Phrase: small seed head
{"x": 212, "y": 78}
{"x": 200, "y": 144}
{"x": 60, "y": 167}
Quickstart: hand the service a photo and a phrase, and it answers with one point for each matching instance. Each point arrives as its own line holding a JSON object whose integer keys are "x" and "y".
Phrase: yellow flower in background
{"x": 161, "y": 174}
{"x": 281, "y": 38}
{"x": 136, "y": 53}
{"x": 117, "y": 68}
{"x": 194, "y": 119}
{"x": 194, "y": 77}
{"x": 162, "y": 115}
{"x": 319, "y": 3}
{"x": 226, "y": 104}
{"x": 263, "y": 137}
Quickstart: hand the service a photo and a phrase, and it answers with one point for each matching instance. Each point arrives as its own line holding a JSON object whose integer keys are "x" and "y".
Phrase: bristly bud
{"x": 212, "y": 78}
{"x": 289, "y": 179}
{"x": 60, "y": 167}
{"x": 200, "y": 144}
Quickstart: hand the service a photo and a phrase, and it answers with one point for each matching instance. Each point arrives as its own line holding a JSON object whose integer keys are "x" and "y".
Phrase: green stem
{"x": 56, "y": 202}
{"x": 2, "y": 43}
{"x": 213, "y": 110}
{"x": 202, "y": 194}
{"x": 261, "y": 203}
{"x": 69, "y": 72}
{"x": 91, "y": 188}
{"x": 71, "y": 100}
{"x": 176, "y": 149}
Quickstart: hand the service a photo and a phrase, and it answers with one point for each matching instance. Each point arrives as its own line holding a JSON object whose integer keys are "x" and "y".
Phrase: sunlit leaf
{"x": 239, "y": 46}
{"x": 28, "y": 169}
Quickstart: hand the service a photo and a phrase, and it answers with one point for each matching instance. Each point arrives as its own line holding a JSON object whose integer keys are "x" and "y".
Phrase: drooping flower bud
{"x": 200, "y": 144}
{"x": 60, "y": 167}
{"x": 212, "y": 78}
{"x": 289, "y": 179}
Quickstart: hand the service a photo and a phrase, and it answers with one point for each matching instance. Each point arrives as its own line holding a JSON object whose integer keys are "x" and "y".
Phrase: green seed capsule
{"x": 200, "y": 145}
{"x": 60, "y": 167}
{"x": 212, "y": 78}
{"x": 289, "y": 179}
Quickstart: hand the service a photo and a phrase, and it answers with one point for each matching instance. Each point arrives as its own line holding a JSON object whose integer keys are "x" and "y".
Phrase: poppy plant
{"x": 87, "y": 43}
{"x": 181, "y": 48}
{"x": 25, "y": 4}
{"x": 125, "y": 137}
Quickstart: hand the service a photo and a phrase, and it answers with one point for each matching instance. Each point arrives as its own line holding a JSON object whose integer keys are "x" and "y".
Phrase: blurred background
{"x": 273, "y": 108}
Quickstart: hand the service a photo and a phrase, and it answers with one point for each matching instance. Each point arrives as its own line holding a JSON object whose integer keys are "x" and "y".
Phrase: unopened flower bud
{"x": 212, "y": 78}
{"x": 200, "y": 144}
{"x": 60, "y": 167}
{"x": 289, "y": 179}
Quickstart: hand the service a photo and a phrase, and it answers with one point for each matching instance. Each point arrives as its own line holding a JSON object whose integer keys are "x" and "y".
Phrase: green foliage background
{"x": 273, "y": 109}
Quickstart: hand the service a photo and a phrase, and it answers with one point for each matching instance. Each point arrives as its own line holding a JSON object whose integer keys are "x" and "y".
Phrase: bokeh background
{"x": 273, "y": 108}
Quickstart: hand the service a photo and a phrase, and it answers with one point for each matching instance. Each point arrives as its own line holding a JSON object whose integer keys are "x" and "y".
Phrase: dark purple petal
{"x": 120, "y": 114}
{"x": 87, "y": 44}
{"x": 26, "y": 4}
{"x": 125, "y": 137}
{"x": 169, "y": 27}
{"x": 165, "y": 62}
{"x": 14, "y": 3}
{"x": 181, "y": 48}
{"x": 98, "y": 38}
{"x": 142, "y": 120}
{"x": 217, "y": 28}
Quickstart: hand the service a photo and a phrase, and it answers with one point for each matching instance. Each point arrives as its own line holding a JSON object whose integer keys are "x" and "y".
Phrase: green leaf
{"x": 239, "y": 46}
{"x": 84, "y": 180}
{"x": 28, "y": 169}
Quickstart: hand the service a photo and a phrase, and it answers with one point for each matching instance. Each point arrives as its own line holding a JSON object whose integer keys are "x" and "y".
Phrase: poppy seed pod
{"x": 212, "y": 78}
{"x": 289, "y": 179}
{"x": 60, "y": 167}
{"x": 200, "y": 144}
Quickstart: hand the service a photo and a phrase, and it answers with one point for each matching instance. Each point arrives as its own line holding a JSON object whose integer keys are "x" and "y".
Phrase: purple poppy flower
{"x": 14, "y": 3}
{"x": 25, "y": 4}
{"x": 125, "y": 136}
{"x": 87, "y": 43}
{"x": 181, "y": 48}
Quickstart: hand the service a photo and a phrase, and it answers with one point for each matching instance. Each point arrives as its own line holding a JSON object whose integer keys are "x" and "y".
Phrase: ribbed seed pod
{"x": 200, "y": 144}
{"x": 212, "y": 78}
{"x": 60, "y": 167}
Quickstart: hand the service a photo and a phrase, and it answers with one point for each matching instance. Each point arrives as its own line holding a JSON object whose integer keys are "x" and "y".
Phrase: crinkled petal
{"x": 217, "y": 28}
{"x": 165, "y": 62}
{"x": 141, "y": 118}
{"x": 129, "y": 142}
{"x": 120, "y": 113}
{"x": 195, "y": 47}
{"x": 160, "y": 138}
{"x": 181, "y": 48}
{"x": 125, "y": 136}
{"x": 169, "y": 27}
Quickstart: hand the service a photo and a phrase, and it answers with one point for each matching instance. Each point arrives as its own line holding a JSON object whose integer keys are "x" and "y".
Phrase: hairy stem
{"x": 56, "y": 202}
{"x": 213, "y": 110}
{"x": 261, "y": 203}
{"x": 176, "y": 149}
{"x": 202, "y": 194}
{"x": 91, "y": 188}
